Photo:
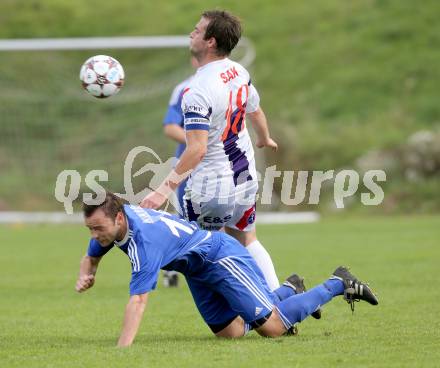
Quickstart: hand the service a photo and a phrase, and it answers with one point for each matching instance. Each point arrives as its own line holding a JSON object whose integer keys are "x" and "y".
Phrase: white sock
{"x": 263, "y": 260}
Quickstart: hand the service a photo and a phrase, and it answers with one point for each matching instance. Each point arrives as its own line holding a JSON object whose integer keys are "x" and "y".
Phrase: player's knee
{"x": 271, "y": 330}
{"x": 272, "y": 327}
{"x": 233, "y": 330}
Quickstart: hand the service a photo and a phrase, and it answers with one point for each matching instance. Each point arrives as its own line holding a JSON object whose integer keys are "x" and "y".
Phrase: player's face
{"x": 103, "y": 228}
{"x": 197, "y": 45}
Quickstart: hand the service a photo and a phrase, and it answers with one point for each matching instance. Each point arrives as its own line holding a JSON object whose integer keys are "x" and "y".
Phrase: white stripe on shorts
{"x": 284, "y": 319}
{"x": 249, "y": 280}
{"x": 238, "y": 274}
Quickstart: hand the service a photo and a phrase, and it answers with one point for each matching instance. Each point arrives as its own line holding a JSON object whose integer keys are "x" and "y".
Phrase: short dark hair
{"x": 225, "y": 28}
{"x": 111, "y": 206}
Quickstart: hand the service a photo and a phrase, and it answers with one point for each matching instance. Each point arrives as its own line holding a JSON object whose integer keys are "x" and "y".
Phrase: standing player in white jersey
{"x": 222, "y": 186}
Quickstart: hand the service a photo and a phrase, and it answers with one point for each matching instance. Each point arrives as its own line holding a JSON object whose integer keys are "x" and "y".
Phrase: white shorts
{"x": 236, "y": 211}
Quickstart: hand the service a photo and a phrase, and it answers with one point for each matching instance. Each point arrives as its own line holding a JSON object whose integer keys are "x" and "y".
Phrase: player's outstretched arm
{"x": 259, "y": 124}
{"x": 196, "y": 146}
{"x": 87, "y": 272}
{"x": 132, "y": 320}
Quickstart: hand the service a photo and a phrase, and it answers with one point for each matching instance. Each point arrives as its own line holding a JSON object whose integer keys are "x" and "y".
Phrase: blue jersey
{"x": 174, "y": 113}
{"x": 154, "y": 240}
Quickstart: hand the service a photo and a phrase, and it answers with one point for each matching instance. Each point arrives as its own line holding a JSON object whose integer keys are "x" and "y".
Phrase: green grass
{"x": 44, "y": 323}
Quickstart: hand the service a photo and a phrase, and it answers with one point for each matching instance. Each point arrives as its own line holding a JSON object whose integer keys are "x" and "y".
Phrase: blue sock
{"x": 299, "y": 306}
{"x": 284, "y": 292}
{"x": 335, "y": 286}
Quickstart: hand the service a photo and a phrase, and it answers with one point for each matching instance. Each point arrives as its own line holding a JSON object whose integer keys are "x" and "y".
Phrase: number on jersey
{"x": 236, "y": 116}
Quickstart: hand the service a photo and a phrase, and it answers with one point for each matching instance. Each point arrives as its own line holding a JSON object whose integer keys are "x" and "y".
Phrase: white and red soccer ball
{"x": 102, "y": 76}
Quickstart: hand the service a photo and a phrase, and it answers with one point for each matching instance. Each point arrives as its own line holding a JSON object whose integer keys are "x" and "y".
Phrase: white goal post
{"x": 92, "y": 43}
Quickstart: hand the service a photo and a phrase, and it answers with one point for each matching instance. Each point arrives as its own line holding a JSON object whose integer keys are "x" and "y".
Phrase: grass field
{"x": 44, "y": 323}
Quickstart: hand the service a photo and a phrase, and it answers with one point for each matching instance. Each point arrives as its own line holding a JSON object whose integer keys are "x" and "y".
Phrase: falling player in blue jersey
{"x": 226, "y": 283}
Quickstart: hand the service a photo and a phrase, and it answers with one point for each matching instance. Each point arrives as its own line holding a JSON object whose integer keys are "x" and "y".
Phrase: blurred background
{"x": 345, "y": 85}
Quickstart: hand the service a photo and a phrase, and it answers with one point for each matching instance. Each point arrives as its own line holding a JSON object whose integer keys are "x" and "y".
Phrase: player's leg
{"x": 242, "y": 227}
{"x": 215, "y": 310}
{"x": 237, "y": 328}
{"x": 246, "y": 294}
{"x": 211, "y": 215}
{"x": 241, "y": 282}
{"x": 258, "y": 253}
{"x": 297, "y": 307}
{"x": 293, "y": 285}
{"x": 269, "y": 326}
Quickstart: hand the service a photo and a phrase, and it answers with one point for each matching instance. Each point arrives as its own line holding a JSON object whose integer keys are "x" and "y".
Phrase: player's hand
{"x": 153, "y": 200}
{"x": 269, "y": 143}
{"x": 84, "y": 282}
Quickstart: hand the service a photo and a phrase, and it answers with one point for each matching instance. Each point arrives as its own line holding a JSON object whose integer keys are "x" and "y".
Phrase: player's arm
{"x": 174, "y": 132}
{"x": 196, "y": 146}
{"x": 89, "y": 265}
{"x": 259, "y": 124}
{"x": 196, "y": 111}
{"x": 195, "y": 150}
{"x": 87, "y": 271}
{"x": 132, "y": 319}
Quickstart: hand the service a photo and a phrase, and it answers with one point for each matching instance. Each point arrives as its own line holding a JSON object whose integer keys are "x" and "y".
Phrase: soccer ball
{"x": 102, "y": 76}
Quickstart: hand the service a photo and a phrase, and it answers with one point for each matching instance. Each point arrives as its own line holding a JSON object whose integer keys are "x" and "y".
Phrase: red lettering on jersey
{"x": 229, "y": 75}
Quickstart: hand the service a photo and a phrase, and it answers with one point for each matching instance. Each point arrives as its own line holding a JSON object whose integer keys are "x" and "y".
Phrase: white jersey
{"x": 216, "y": 100}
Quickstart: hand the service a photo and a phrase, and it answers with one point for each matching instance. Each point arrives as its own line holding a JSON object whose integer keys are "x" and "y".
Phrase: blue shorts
{"x": 226, "y": 282}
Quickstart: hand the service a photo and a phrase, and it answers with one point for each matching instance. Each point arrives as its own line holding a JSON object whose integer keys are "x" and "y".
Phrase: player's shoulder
{"x": 233, "y": 69}
{"x": 205, "y": 82}
{"x": 199, "y": 81}
{"x": 197, "y": 90}
{"x": 94, "y": 243}
{"x": 137, "y": 213}
{"x": 209, "y": 74}
{"x": 95, "y": 249}
{"x": 238, "y": 66}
